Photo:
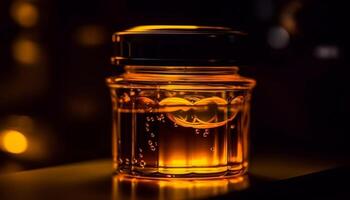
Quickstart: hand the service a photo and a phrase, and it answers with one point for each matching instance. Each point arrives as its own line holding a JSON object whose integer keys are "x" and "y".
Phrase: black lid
{"x": 177, "y": 45}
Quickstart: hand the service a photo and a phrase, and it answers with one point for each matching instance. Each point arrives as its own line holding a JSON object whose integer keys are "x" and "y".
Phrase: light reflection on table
{"x": 132, "y": 188}
{"x": 94, "y": 180}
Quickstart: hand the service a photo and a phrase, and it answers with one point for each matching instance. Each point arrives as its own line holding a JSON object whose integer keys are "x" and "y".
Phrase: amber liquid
{"x": 181, "y": 137}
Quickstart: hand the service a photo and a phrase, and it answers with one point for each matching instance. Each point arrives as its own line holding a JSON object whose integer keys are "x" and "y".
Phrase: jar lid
{"x": 178, "y": 45}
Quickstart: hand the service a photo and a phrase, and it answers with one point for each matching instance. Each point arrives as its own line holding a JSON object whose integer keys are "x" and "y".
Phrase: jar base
{"x": 185, "y": 173}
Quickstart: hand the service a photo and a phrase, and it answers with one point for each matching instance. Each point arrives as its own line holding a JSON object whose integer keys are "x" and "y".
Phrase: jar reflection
{"x": 125, "y": 187}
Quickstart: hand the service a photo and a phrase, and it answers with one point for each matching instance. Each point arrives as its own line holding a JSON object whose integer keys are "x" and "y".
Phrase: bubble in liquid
{"x": 148, "y": 118}
{"x": 175, "y": 125}
{"x": 142, "y": 163}
{"x": 150, "y": 142}
{"x": 197, "y": 131}
{"x": 147, "y": 129}
{"x": 206, "y": 133}
{"x": 146, "y": 124}
{"x": 168, "y": 176}
{"x": 132, "y": 93}
{"x": 140, "y": 150}
{"x": 120, "y": 161}
{"x": 155, "y": 144}
{"x": 152, "y": 135}
{"x": 140, "y": 155}
{"x": 232, "y": 126}
{"x": 153, "y": 148}
{"x": 211, "y": 148}
{"x": 152, "y": 119}
{"x": 134, "y": 161}
{"x": 163, "y": 121}
{"x": 127, "y": 161}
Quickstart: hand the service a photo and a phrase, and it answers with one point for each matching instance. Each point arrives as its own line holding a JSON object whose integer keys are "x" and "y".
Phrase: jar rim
{"x": 182, "y": 70}
{"x": 218, "y": 76}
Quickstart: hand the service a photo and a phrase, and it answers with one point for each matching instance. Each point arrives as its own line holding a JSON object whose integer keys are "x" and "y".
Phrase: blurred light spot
{"x": 326, "y": 52}
{"x": 287, "y": 17}
{"x": 90, "y": 35}
{"x": 39, "y": 141}
{"x": 278, "y": 38}
{"x": 13, "y": 141}
{"x": 264, "y": 9}
{"x": 25, "y": 14}
{"x": 289, "y": 24}
{"x": 26, "y": 51}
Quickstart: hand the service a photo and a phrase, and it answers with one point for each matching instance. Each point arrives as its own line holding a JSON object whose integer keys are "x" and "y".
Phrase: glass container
{"x": 180, "y": 109}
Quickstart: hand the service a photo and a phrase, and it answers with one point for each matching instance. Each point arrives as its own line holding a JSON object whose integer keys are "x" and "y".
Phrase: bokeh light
{"x": 26, "y": 138}
{"x": 288, "y": 17}
{"x": 326, "y": 52}
{"x": 278, "y": 38}
{"x": 24, "y": 13}
{"x": 13, "y": 141}
{"x": 26, "y": 51}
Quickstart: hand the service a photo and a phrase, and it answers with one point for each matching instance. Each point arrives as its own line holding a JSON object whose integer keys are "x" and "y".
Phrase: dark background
{"x": 55, "y": 55}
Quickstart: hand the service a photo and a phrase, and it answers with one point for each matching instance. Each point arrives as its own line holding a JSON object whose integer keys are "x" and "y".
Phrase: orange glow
{"x": 13, "y": 141}
{"x": 176, "y": 161}
{"x": 239, "y": 156}
{"x": 25, "y": 14}
{"x": 193, "y": 184}
{"x": 26, "y": 51}
{"x": 201, "y": 148}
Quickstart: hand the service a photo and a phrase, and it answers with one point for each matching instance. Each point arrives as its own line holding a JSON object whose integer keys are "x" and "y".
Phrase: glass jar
{"x": 180, "y": 110}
